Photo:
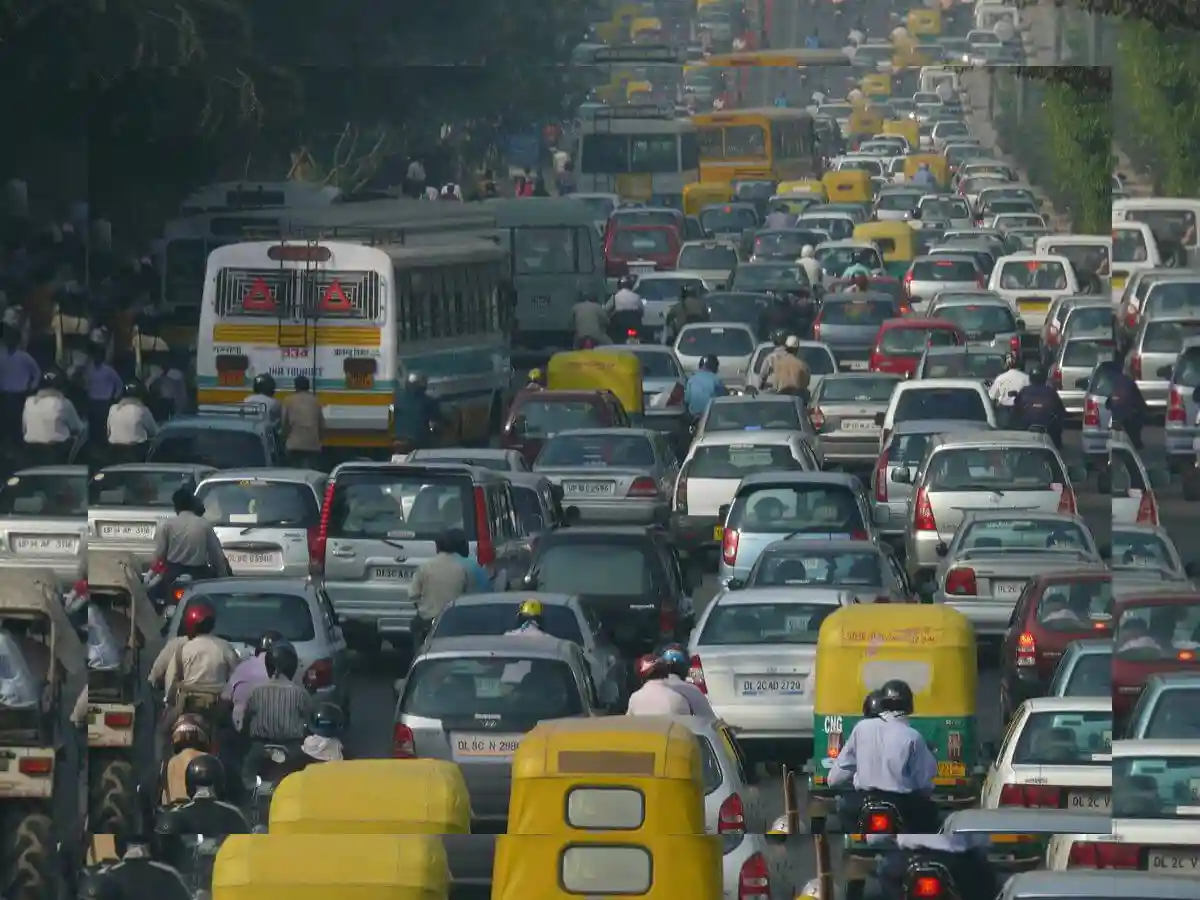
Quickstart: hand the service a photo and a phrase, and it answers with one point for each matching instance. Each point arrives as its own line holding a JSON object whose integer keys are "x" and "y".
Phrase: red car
{"x": 900, "y": 342}
{"x": 1155, "y": 632}
{"x": 535, "y": 415}
{"x": 638, "y": 249}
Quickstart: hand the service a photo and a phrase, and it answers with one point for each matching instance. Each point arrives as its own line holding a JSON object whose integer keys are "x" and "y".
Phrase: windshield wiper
{"x": 279, "y": 523}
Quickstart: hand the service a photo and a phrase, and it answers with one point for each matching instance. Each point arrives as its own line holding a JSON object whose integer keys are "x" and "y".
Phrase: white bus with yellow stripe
{"x": 356, "y": 320}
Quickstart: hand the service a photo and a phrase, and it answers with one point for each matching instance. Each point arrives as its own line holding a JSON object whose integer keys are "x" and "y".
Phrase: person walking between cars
{"x": 531, "y": 619}
{"x": 130, "y": 426}
{"x": 590, "y": 321}
{"x": 811, "y": 265}
{"x": 103, "y": 387}
{"x": 790, "y": 373}
{"x": 186, "y": 544}
{"x": 702, "y": 386}
{"x": 779, "y": 217}
{"x": 655, "y": 697}
{"x": 478, "y": 579}
{"x": 438, "y": 582}
{"x": 19, "y": 377}
{"x": 303, "y": 422}
{"x": 49, "y": 423}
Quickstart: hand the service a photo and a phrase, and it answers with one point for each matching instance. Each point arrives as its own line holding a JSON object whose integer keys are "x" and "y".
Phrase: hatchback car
{"x": 536, "y": 415}
{"x": 845, "y": 412}
{"x": 1077, "y": 357}
{"x": 848, "y": 323}
{"x": 498, "y": 460}
{"x": 929, "y": 275}
{"x": 867, "y": 569}
{"x": 1030, "y": 283}
{"x": 1152, "y": 354}
{"x": 127, "y": 504}
{"x": 1085, "y": 670}
{"x": 900, "y": 342}
{"x": 44, "y": 520}
{"x": 937, "y": 398}
{"x": 1183, "y": 406}
{"x": 730, "y": 342}
{"x": 1056, "y": 316}
{"x": 987, "y": 321}
{"x": 220, "y": 437}
{"x": 953, "y": 209}
{"x": 777, "y": 276}
{"x": 759, "y": 412}
{"x": 816, "y": 355}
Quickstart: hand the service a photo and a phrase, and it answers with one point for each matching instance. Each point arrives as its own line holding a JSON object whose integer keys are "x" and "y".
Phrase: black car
{"x": 630, "y": 576}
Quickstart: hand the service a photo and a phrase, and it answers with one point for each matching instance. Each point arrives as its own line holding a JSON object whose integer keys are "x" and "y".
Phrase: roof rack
{"x": 233, "y": 410}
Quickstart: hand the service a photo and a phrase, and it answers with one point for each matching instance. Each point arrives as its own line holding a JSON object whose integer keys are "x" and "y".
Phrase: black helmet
{"x": 328, "y": 721}
{"x": 53, "y": 379}
{"x": 872, "y": 705}
{"x": 710, "y": 363}
{"x": 779, "y": 337}
{"x": 267, "y": 640}
{"x": 282, "y": 660}
{"x": 204, "y": 771}
{"x": 95, "y": 886}
{"x": 627, "y": 282}
{"x": 265, "y": 385}
{"x": 688, "y": 290}
{"x": 1037, "y": 374}
{"x": 132, "y": 389}
{"x": 896, "y": 696}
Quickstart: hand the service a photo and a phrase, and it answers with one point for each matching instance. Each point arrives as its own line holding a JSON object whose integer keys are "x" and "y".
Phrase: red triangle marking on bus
{"x": 335, "y": 299}
{"x": 258, "y": 297}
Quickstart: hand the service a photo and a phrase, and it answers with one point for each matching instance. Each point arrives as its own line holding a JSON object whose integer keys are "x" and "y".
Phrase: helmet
{"x": 327, "y": 721}
{"x": 688, "y": 290}
{"x": 265, "y": 385}
{"x": 531, "y": 611}
{"x": 649, "y": 667}
{"x": 190, "y": 730}
{"x": 1037, "y": 375}
{"x": 282, "y": 660}
{"x": 627, "y": 282}
{"x": 266, "y": 641}
{"x": 710, "y": 363}
{"x": 792, "y": 343}
{"x": 676, "y": 660}
{"x": 807, "y": 251}
{"x": 779, "y": 337}
{"x": 896, "y": 696}
{"x": 197, "y": 617}
{"x": 53, "y": 379}
{"x": 132, "y": 389}
{"x": 204, "y": 771}
{"x": 537, "y": 375}
{"x": 872, "y": 705}
{"x": 416, "y": 380}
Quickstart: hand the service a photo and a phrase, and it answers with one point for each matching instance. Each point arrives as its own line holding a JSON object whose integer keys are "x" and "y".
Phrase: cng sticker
{"x": 833, "y": 724}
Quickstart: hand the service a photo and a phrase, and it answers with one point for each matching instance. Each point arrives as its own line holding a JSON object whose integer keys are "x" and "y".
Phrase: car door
{"x": 610, "y": 667}
{"x": 666, "y": 468}
{"x": 512, "y": 550}
{"x": 338, "y": 649}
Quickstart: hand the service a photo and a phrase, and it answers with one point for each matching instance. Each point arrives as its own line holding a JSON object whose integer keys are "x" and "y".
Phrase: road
{"x": 1177, "y": 515}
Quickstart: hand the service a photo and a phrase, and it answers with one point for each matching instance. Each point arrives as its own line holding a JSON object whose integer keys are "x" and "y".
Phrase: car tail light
{"x": 875, "y": 360}
{"x": 816, "y": 329}
{"x": 1031, "y": 796}
{"x": 316, "y": 549}
{"x": 631, "y": 332}
{"x": 36, "y": 765}
{"x": 1066, "y": 502}
{"x": 1175, "y": 409}
{"x": 681, "y": 495}
{"x": 1131, "y": 320}
{"x": 404, "y": 745}
{"x": 961, "y": 583}
{"x": 319, "y": 674}
{"x": 923, "y": 517}
{"x": 485, "y": 550}
{"x": 696, "y": 674}
{"x": 1090, "y": 855}
{"x": 643, "y": 487}
{"x": 314, "y": 542}
{"x": 1091, "y": 412}
{"x": 729, "y": 546}
{"x": 668, "y": 619}
{"x": 880, "y": 823}
{"x": 1014, "y": 344}
{"x": 675, "y": 398}
{"x": 908, "y": 280}
{"x": 1056, "y": 378}
{"x": 859, "y": 534}
{"x": 732, "y": 816}
{"x": 1147, "y": 513}
{"x": 881, "y": 467}
{"x": 1026, "y": 650}
{"x": 1135, "y": 367}
{"x": 817, "y": 417}
{"x": 979, "y": 280}
{"x": 118, "y": 720}
{"x": 925, "y": 887}
{"x": 754, "y": 881}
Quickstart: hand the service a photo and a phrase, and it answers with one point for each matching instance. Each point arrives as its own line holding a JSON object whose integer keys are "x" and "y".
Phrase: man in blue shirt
{"x": 923, "y": 177}
{"x": 479, "y": 581}
{"x": 703, "y": 386}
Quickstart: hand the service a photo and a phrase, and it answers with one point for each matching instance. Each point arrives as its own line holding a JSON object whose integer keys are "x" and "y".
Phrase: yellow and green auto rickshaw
{"x": 895, "y": 240}
{"x": 932, "y": 648}
{"x": 849, "y": 186}
{"x": 937, "y": 163}
{"x": 700, "y": 194}
{"x": 599, "y": 370}
{"x": 877, "y": 86}
{"x": 906, "y": 128}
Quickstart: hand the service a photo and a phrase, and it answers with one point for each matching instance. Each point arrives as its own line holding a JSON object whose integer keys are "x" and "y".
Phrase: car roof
{"x": 918, "y": 322}
{"x": 709, "y": 243}
{"x": 1006, "y": 515}
{"x": 1175, "y": 679}
{"x": 773, "y": 436}
{"x": 528, "y": 479}
{"x": 1091, "y": 647}
{"x": 1154, "y": 747}
{"x": 477, "y": 473}
{"x": 983, "y": 299}
{"x": 151, "y": 467}
{"x": 788, "y": 594}
{"x": 765, "y": 478}
{"x": 678, "y": 275}
{"x": 599, "y": 531}
{"x": 636, "y": 349}
{"x": 939, "y": 426}
{"x": 765, "y": 397}
{"x": 1084, "y": 883}
{"x": 518, "y": 645}
{"x": 460, "y": 452}
{"x": 860, "y": 376}
{"x": 546, "y": 598}
{"x": 268, "y": 473}
{"x": 615, "y": 431}
{"x": 253, "y": 584}
{"x": 964, "y": 350}
{"x": 817, "y": 545}
{"x": 929, "y": 384}
{"x": 69, "y": 471}
{"x": 996, "y": 438}
{"x": 1031, "y": 821}
{"x": 1069, "y": 704}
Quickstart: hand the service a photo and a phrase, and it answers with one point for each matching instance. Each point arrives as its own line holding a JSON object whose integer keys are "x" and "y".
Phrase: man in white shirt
{"x": 678, "y": 665}
{"x": 655, "y": 697}
{"x": 812, "y": 268}
{"x": 49, "y": 422}
{"x": 131, "y": 425}
{"x": 1008, "y": 384}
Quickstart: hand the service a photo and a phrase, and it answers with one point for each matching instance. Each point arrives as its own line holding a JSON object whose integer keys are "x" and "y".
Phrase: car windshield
{"x": 863, "y": 313}
{"x": 755, "y": 277}
{"x": 836, "y": 260}
{"x": 595, "y": 567}
{"x": 1168, "y": 336}
{"x": 598, "y": 450}
{"x": 1065, "y": 739}
{"x": 1033, "y": 275}
{"x": 136, "y": 487}
{"x": 471, "y": 619}
{"x": 814, "y": 567}
{"x": 1173, "y": 300}
{"x": 1023, "y": 534}
{"x": 736, "y": 461}
{"x": 507, "y": 686}
{"x": 751, "y": 415}
{"x": 1173, "y": 717}
{"x": 666, "y": 290}
{"x": 1012, "y": 469}
{"x": 633, "y": 242}
{"x": 728, "y": 218}
{"x": 898, "y": 201}
{"x": 657, "y": 365}
{"x": 244, "y": 616}
{"x": 1166, "y": 633}
{"x": 700, "y": 257}
{"x": 716, "y": 340}
{"x": 792, "y": 622}
{"x": 1143, "y": 549}
{"x": 1167, "y": 224}
{"x": 1089, "y": 318}
{"x": 984, "y": 366}
{"x": 978, "y": 319}
{"x": 905, "y": 341}
{"x": 868, "y": 389}
{"x": 45, "y": 496}
{"x": 945, "y": 208}
{"x": 797, "y": 509}
{"x": 1091, "y": 676}
{"x": 1156, "y": 787}
{"x": 255, "y": 501}
{"x": 1077, "y": 606}
{"x": 933, "y": 402}
{"x": 393, "y": 504}
{"x": 221, "y": 448}
{"x": 540, "y": 418}
{"x": 942, "y": 269}
{"x": 839, "y": 228}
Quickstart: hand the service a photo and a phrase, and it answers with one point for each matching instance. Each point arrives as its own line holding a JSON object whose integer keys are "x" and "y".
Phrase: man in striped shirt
{"x": 278, "y": 710}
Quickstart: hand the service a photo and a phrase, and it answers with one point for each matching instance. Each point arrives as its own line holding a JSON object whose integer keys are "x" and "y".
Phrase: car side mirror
{"x": 735, "y": 584}
{"x": 572, "y": 515}
{"x": 1105, "y": 551}
{"x": 901, "y": 476}
{"x": 880, "y": 418}
{"x": 1082, "y": 384}
{"x": 1165, "y": 371}
{"x": 723, "y": 513}
{"x": 942, "y": 548}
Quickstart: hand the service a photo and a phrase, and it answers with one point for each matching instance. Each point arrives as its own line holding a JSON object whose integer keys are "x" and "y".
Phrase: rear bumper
{"x": 620, "y": 512}
{"x": 988, "y": 617}
{"x": 850, "y": 449}
{"x": 380, "y": 609}
{"x": 694, "y": 535}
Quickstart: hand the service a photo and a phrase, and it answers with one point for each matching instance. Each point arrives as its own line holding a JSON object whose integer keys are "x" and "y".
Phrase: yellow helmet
{"x": 536, "y": 375}
{"x": 530, "y": 609}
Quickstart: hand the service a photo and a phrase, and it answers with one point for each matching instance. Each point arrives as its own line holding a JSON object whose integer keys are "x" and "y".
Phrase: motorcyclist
{"x": 889, "y": 759}
{"x": 531, "y": 619}
{"x": 323, "y": 743}
{"x": 1008, "y": 384}
{"x": 277, "y": 711}
{"x": 187, "y": 544}
{"x": 655, "y": 697}
{"x": 690, "y": 309}
{"x": 854, "y": 271}
{"x": 137, "y": 874}
{"x": 50, "y": 423}
{"x": 205, "y": 813}
{"x": 624, "y": 311}
{"x": 702, "y": 386}
{"x": 790, "y": 374}
{"x": 417, "y": 416}
{"x": 1038, "y": 405}
{"x": 590, "y": 321}
{"x": 678, "y": 665}
{"x": 130, "y": 425}
{"x": 1127, "y": 405}
{"x": 964, "y": 857}
{"x": 811, "y": 266}
{"x": 779, "y": 339}
{"x": 263, "y": 396}
{"x": 537, "y": 381}
{"x": 872, "y": 705}
{"x": 190, "y": 738}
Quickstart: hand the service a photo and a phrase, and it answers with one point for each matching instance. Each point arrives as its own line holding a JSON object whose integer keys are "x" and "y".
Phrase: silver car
{"x": 663, "y": 382}
{"x": 765, "y": 411}
{"x": 817, "y": 355}
{"x": 930, "y": 275}
{"x": 1183, "y": 410}
{"x": 988, "y": 320}
{"x": 44, "y": 520}
{"x": 128, "y": 503}
{"x": 1087, "y": 315}
{"x": 951, "y": 207}
{"x": 994, "y": 554}
{"x": 1136, "y": 546}
{"x": 1153, "y": 352}
{"x": 613, "y": 476}
{"x": 846, "y": 411}
{"x": 493, "y": 458}
{"x": 1011, "y": 471}
{"x": 1130, "y": 484}
{"x": 1071, "y": 368}
{"x": 714, "y": 261}
{"x": 471, "y": 700}
{"x": 981, "y": 362}
{"x": 895, "y": 204}
{"x": 1097, "y": 418}
{"x": 659, "y": 292}
{"x": 867, "y": 569}
{"x": 732, "y": 343}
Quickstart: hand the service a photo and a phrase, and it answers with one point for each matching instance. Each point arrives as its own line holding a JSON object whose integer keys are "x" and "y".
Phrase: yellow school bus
{"x": 775, "y": 144}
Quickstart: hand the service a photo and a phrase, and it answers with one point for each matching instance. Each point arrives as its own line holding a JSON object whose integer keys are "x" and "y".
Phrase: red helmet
{"x": 196, "y": 615}
{"x": 647, "y": 666}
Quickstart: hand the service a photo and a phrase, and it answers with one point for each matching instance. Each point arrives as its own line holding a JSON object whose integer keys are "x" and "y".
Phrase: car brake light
{"x": 961, "y": 583}
{"x": 1175, "y": 408}
{"x": 1091, "y": 855}
{"x": 1091, "y": 413}
{"x": 631, "y": 332}
{"x": 880, "y": 823}
{"x": 1031, "y": 796}
{"x": 643, "y": 487}
{"x": 118, "y": 720}
{"x": 1135, "y": 367}
{"x": 1026, "y": 650}
{"x": 314, "y": 542}
{"x": 36, "y": 765}
{"x": 403, "y": 744}
{"x": 923, "y": 518}
{"x": 696, "y": 674}
{"x": 816, "y": 329}
{"x": 1014, "y": 344}
{"x": 319, "y": 675}
{"x": 485, "y": 550}
{"x": 729, "y": 546}
{"x": 908, "y": 280}
{"x": 926, "y": 887}
{"x": 316, "y": 548}
{"x": 1066, "y": 502}
{"x": 859, "y": 534}
{"x": 1056, "y": 378}
{"x": 732, "y": 816}
{"x": 675, "y": 398}
{"x": 1131, "y": 321}
{"x": 754, "y": 881}
{"x": 881, "y": 468}
{"x": 817, "y": 417}
{"x": 1147, "y": 513}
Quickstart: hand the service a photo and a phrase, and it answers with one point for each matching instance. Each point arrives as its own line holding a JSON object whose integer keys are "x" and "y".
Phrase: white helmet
{"x": 806, "y": 251}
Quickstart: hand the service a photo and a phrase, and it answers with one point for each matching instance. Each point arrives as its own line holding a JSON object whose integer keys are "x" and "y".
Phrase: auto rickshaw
{"x": 320, "y": 866}
{"x": 877, "y": 86}
{"x": 922, "y": 22}
{"x": 793, "y": 204}
{"x": 906, "y": 128}
{"x": 804, "y": 187}
{"x": 638, "y": 91}
{"x": 568, "y": 776}
{"x": 932, "y": 647}
{"x": 598, "y": 370}
{"x": 849, "y": 186}
{"x": 645, "y": 29}
{"x": 937, "y": 165}
{"x": 700, "y": 194}
{"x": 373, "y": 796}
{"x": 864, "y": 123}
{"x": 608, "y": 863}
{"x": 895, "y": 240}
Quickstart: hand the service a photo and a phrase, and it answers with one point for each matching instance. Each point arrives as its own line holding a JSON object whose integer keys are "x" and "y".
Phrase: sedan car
{"x": 1085, "y": 670}
{"x": 44, "y": 519}
{"x": 732, "y": 343}
{"x": 659, "y": 292}
{"x": 846, "y": 410}
{"x": 612, "y": 475}
{"x": 127, "y": 504}
{"x": 941, "y": 398}
{"x": 498, "y": 460}
{"x": 867, "y": 569}
{"x": 1153, "y": 803}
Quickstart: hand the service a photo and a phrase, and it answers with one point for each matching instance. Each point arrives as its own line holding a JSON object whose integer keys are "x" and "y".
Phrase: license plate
{"x": 483, "y": 746}
{"x": 253, "y": 560}
{"x": 1007, "y": 588}
{"x": 1118, "y": 282}
{"x": 590, "y": 488}
{"x": 117, "y": 531}
{"x": 1173, "y": 862}
{"x": 361, "y": 382}
{"x": 31, "y": 544}
{"x": 641, "y": 270}
{"x": 858, "y": 425}
{"x": 858, "y": 365}
{"x": 718, "y": 533}
{"x": 770, "y": 685}
{"x": 1089, "y": 801}
{"x": 394, "y": 573}
{"x": 1033, "y": 305}
{"x": 231, "y": 379}
{"x": 951, "y": 769}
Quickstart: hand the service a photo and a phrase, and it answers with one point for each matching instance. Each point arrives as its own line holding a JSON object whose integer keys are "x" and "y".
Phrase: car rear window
{"x": 125, "y": 487}
{"x": 1128, "y": 245}
{"x": 1156, "y": 787}
{"x": 471, "y": 619}
{"x": 942, "y": 269}
{"x": 913, "y": 341}
{"x": 792, "y": 622}
{"x": 658, "y": 365}
{"x": 714, "y": 776}
{"x": 1084, "y": 257}
{"x": 221, "y": 448}
{"x": 544, "y": 417}
{"x": 506, "y": 686}
{"x": 630, "y": 242}
{"x": 1172, "y": 300}
{"x": 591, "y": 567}
{"x": 1091, "y": 676}
{"x": 717, "y": 341}
{"x": 1159, "y": 633}
{"x": 1174, "y": 716}
{"x": 765, "y": 277}
{"x": 243, "y": 617}
{"x": 1033, "y": 275}
{"x": 45, "y": 496}
{"x": 1023, "y": 534}
{"x": 945, "y": 208}
{"x": 977, "y": 319}
{"x": 601, "y": 450}
{"x": 707, "y": 258}
{"x": 745, "y": 308}
{"x": 739, "y": 460}
{"x": 492, "y": 463}
{"x": 934, "y": 402}
{"x": 785, "y": 243}
{"x": 797, "y": 509}
{"x": 1167, "y": 337}
{"x": 1076, "y": 606}
{"x": 817, "y": 568}
{"x": 399, "y": 505}
{"x": 666, "y": 217}
{"x": 1065, "y": 739}
{"x": 836, "y": 311}
{"x": 1011, "y": 469}
{"x": 735, "y": 218}
{"x": 908, "y": 449}
{"x": 898, "y": 202}
{"x": 667, "y": 289}
{"x": 857, "y": 390}
{"x": 1086, "y": 354}
{"x": 748, "y": 415}
{"x": 1090, "y": 318}
{"x": 253, "y": 501}
{"x": 836, "y": 260}
{"x": 984, "y": 366}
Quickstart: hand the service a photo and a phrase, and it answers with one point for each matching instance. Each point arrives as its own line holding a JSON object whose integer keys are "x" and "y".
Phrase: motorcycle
{"x": 279, "y": 761}
{"x": 165, "y": 589}
{"x": 877, "y": 816}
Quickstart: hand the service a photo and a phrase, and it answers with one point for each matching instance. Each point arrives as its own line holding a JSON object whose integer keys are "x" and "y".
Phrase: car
{"x": 984, "y": 255}
{"x": 1183, "y": 406}
{"x": 298, "y": 608}
{"x": 470, "y": 700}
{"x": 938, "y": 398}
{"x": 659, "y": 292}
{"x": 730, "y": 219}
{"x": 535, "y": 415}
{"x": 752, "y": 653}
{"x": 988, "y": 322}
{"x": 845, "y": 411}
{"x": 1007, "y": 191}
{"x": 44, "y": 520}
{"x": 867, "y": 569}
{"x": 929, "y": 275}
{"x": 784, "y": 244}
{"x": 1013, "y": 831}
{"x": 1087, "y": 315}
{"x": 1085, "y": 670}
{"x": 715, "y": 465}
{"x": 732, "y": 343}
{"x": 537, "y": 502}
{"x": 954, "y": 209}
{"x": 563, "y": 617}
{"x": 1080, "y": 884}
{"x": 378, "y": 524}
{"x": 663, "y": 383}
{"x": 127, "y": 503}
{"x": 899, "y": 343}
{"x": 267, "y": 520}
{"x": 742, "y": 307}
{"x": 766, "y": 411}
{"x": 639, "y": 249}
{"x": 1055, "y": 754}
{"x": 993, "y": 555}
{"x": 1155, "y": 631}
{"x": 838, "y": 225}
{"x": 1001, "y": 470}
{"x": 848, "y": 323}
{"x": 1154, "y": 800}
{"x": 220, "y": 437}
{"x": 1131, "y": 286}
{"x": 1030, "y": 283}
{"x": 836, "y": 257}
{"x": 1130, "y": 484}
{"x": 1056, "y": 316}
{"x": 1072, "y": 366}
{"x": 714, "y": 261}
{"x": 772, "y": 506}
{"x": 817, "y": 355}
{"x": 1166, "y": 709}
{"x": 1170, "y": 296}
{"x": 973, "y": 363}
{"x": 1148, "y": 547}
{"x": 1152, "y": 353}
{"x": 897, "y": 204}
{"x": 1097, "y": 431}
{"x": 629, "y": 576}
{"x": 498, "y": 460}
{"x": 778, "y": 276}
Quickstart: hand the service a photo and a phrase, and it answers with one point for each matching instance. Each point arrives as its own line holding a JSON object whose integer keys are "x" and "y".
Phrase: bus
{"x": 773, "y": 144}
{"x": 356, "y": 319}
{"x": 643, "y": 153}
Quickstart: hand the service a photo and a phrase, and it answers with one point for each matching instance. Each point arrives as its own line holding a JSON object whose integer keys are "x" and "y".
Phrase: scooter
{"x": 279, "y": 761}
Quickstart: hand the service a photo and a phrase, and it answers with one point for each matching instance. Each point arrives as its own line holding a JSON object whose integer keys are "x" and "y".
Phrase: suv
{"x": 1183, "y": 406}
{"x": 378, "y": 524}
{"x": 223, "y": 437}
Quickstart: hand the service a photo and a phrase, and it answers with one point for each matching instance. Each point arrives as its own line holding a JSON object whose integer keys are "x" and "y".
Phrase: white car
{"x": 1031, "y": 282}
{"x": 714, "y": 261}
{"x": 732, "y": 343}
{"x": 1156, "y": 805}
{"x": 1056, "y": 755}
{"x": 662, "y": 290}
{"x": 968, "y": 395}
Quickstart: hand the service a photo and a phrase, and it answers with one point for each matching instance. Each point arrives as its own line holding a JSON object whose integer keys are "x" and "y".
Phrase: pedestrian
{"x": 480, "y": 580}
{"x": 303, "y": 424}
